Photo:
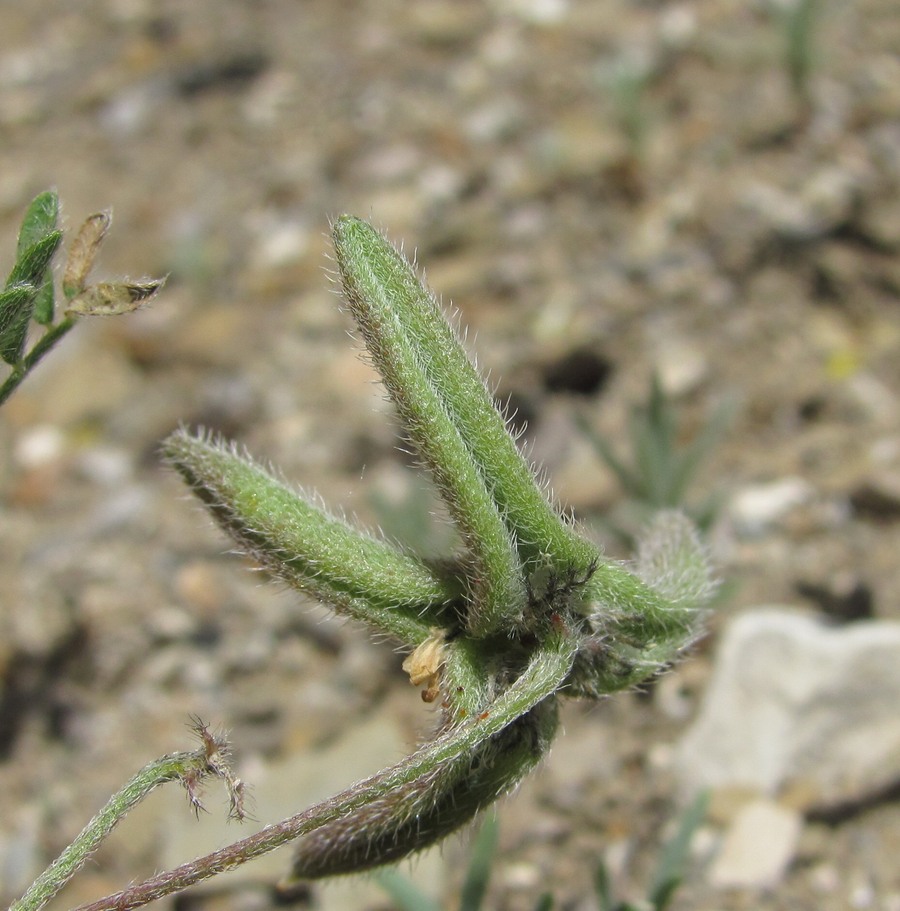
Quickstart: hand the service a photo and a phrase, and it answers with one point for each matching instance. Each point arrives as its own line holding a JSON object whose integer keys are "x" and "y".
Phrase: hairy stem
{"x": 541, "y": 678}
{"x": 186, "y": 767}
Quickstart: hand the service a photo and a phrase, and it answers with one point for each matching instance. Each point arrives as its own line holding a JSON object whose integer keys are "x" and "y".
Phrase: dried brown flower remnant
{"x": 424, "y": 664}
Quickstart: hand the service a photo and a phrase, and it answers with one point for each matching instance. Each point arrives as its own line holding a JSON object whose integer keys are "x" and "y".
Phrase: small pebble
{"x": 758, "y": 847}
{"x": 756, "y": 508}
{"x": 39, "y": 446}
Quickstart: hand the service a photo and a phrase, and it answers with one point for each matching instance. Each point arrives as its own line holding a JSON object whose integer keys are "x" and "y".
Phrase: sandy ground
{"x": 634, "y": 182}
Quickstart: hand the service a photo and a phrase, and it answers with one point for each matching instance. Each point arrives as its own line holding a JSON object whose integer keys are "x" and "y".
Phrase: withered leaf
{"x": 113, "y": 298}
{"x": 83, "y": 251}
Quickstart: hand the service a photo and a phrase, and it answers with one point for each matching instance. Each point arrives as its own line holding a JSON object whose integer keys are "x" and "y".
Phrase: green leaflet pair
{"x": 529, "y": 612}
{"x": 28, "y": 299}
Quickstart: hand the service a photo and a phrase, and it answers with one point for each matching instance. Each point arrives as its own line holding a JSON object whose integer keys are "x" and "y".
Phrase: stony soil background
{"x": 742, "y": 243}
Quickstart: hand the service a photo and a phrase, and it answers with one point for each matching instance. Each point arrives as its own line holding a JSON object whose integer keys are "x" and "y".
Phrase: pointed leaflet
{"x": 16, "y": 310}
{"x": 16, "y": 306}
{"x": 311, "y": 550}
{"x": 39, "y": 239}
{"x": 45, "y": 301}
{"x": 36, "y": 246}
{"x": 387, "y": 303}
{"x": 41, "y": 219}
{"x": 113, "y": 298}
{"x": 372, "y": 269}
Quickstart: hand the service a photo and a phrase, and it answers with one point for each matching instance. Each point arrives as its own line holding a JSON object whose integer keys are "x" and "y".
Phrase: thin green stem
{"x": 541, "y": 678}
{"x": 178, "y": 766}
{"x": 42, "y": 346}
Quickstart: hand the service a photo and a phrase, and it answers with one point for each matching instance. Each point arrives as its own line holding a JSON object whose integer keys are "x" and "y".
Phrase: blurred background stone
{"x": 630, "y": 179}
{"x": 799, "y": 709}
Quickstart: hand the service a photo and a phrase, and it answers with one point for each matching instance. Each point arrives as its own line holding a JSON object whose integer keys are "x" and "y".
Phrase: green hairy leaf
{"x": 40, "y": 219}
{"x": 16, "y": 307}
{"x": 33, "y": 262}
{"x": 528, "y": 613}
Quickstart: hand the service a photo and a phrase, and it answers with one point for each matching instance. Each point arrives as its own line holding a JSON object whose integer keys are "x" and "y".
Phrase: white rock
{"x": 677, "y": 26}
{"x": 758, "y": 847}
{"x": 108, "y": 466}
{"x": 757, "y": 507}
{"x": 681, "y": 366}
{"x": 540, "y": 12}
{"x": 796, "y": 706}
{"x": 39, "y": 446}
{"x": 280, "y": 241}
{"x": 824, "y": 201}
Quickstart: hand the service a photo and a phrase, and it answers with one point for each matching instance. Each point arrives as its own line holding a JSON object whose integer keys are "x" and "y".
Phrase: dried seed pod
{"x": 426, "y": 810}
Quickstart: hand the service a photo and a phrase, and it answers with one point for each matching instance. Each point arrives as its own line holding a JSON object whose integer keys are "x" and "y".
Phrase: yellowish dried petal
{"x": 424, "y": 664}
{"x": 113, "y": 298}
{"x": 83, "y": 251}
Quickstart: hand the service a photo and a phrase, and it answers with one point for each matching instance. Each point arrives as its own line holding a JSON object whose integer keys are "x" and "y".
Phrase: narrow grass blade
{"x": 405, "y": 894}
{"x": 603, "y": 887}
{"x": 692, "y": 455}
{"x": 478, "y": 875}
{"x": 629, "y": 479}
{"x": 673, "y": 860}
